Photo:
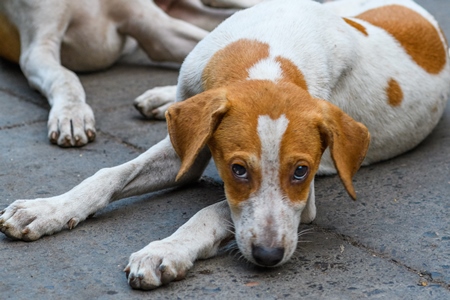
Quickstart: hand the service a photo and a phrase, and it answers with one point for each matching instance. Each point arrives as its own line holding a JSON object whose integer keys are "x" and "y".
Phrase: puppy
{"x": 51, "y": 39}
{"x": 276, "y": 94}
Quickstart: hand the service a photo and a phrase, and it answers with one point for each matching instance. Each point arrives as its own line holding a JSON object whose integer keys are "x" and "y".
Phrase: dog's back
{"x": 388, "y": 67}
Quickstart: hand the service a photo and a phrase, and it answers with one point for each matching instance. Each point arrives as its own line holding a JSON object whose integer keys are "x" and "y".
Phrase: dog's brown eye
{"x": 300, "y": 173}
{"x": 239, "y": 171}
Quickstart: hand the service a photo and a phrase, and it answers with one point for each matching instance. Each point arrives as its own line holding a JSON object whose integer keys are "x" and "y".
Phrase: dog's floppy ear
{"x": 192, "y": 122}
{"x": 348, "y": 141}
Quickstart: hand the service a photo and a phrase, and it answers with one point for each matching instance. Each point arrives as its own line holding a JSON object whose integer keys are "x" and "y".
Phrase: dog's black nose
{"x": 266, "y": 256}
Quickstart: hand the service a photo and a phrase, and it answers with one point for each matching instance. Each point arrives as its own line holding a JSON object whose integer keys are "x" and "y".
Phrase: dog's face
{"x": 267, "y": 141}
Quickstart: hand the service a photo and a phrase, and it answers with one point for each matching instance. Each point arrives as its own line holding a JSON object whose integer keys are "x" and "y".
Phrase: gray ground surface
{"x": 394, "y": 242}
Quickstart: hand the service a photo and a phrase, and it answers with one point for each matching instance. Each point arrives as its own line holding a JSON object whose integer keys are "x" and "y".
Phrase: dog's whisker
{"x": 229, "y": 222}
{"x": 231, "y": 231}
{"x": 303, "y": 241}
{"x": 242, "y": 258}
{"x": 307, "y": 230}
{"x": 303, "y": 233}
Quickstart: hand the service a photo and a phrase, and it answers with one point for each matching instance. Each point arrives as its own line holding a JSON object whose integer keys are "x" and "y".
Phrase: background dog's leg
{"x": 41, "y": 28}
{"x": 162, "y": 37}
{"x": 71, "y": 121}
{"x": 153, "y": 170}
{"x": 169, "y": 259}
{"x": 154, "y": 103}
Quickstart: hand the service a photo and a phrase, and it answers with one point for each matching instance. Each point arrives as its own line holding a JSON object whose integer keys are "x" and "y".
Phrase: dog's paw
{"x": 71, "y": 125}
{"x": 154, "y": 103}
{"x": 158, "y": 263}
{"x": 29, "y": 220}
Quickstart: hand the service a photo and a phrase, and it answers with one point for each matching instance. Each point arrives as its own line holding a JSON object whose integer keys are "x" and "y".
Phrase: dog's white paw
{"x": 71, "y": 125}
{"x": 158, "y": 263}
{"x": 154, "y": 103}
{"x": 29, "y": 220}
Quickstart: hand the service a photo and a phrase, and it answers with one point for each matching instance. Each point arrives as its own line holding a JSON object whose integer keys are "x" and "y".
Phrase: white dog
{"x": 267, "y": 92}
{"x": 53, "y": 38}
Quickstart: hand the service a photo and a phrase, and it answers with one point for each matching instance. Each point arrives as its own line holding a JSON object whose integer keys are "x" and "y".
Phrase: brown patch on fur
{"x": 232, "y": 63}
{"x": 357, "y": 26}
{"x": 394, "y": 93}
{"x": 9, "y": 40}
{"x": 417, "y": 35}
{"x": 291, "y": 73}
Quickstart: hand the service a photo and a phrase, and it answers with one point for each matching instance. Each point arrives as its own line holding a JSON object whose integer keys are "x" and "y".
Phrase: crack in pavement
{"x": 355, "y": 243}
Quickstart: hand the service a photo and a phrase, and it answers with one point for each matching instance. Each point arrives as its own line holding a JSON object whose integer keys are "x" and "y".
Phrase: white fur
{"x": 339, "y": 64}
{"x": 163, "y": 261}
{"x": 265, "y": 69}
{"x": 31, "y": 219}
{"x": 154, "y": 102}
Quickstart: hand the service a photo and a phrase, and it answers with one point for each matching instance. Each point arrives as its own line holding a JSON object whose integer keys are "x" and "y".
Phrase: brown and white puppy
{"x": 276, "y": 94}
{"x": 52, "y": 39}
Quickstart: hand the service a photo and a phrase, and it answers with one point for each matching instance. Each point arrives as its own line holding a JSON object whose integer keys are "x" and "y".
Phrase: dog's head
{"x": 267, "y": 140}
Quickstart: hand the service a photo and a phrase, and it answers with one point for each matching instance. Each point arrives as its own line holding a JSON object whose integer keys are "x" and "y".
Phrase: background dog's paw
{"x": 71, "y": 125}
{"x": 29, "y": 220}
{"x": 153, "y": 103}
{"x": 158, "y": 263}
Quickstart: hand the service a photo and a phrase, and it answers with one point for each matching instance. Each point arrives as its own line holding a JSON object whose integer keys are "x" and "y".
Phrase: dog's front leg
{"x": 71, "y": 121}
{"x": 153, "y": 170}
{"x": 169, "y": 259}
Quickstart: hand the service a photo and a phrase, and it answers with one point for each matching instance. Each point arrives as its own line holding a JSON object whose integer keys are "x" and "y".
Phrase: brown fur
{"x": 357, "y": 26}
{"x": 190, "y": 127}
{"x": 291, "y": 73}
{"x": 394, "y": 93}
{"x": 231, "y": 63}
{"x": 418, "y": 37}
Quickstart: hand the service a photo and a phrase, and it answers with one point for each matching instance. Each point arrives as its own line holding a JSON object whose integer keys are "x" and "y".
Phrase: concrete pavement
{"x": 393, "y": 242}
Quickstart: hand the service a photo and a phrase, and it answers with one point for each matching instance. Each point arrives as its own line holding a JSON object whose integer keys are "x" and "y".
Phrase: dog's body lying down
{"x": 267, "y": 92}
{"x": 51, "y": 39}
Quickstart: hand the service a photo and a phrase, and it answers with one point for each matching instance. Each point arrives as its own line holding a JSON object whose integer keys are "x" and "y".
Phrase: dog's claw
{"x": 91, "y": 135}
{"x": 29, "y": 220}
{"x": 71, "y": 126}
{"x": 73, "y": 222}
{"x": 154, "y": 103}
{"x": 54, "y": 137}
{"x": 127, "y": 271}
